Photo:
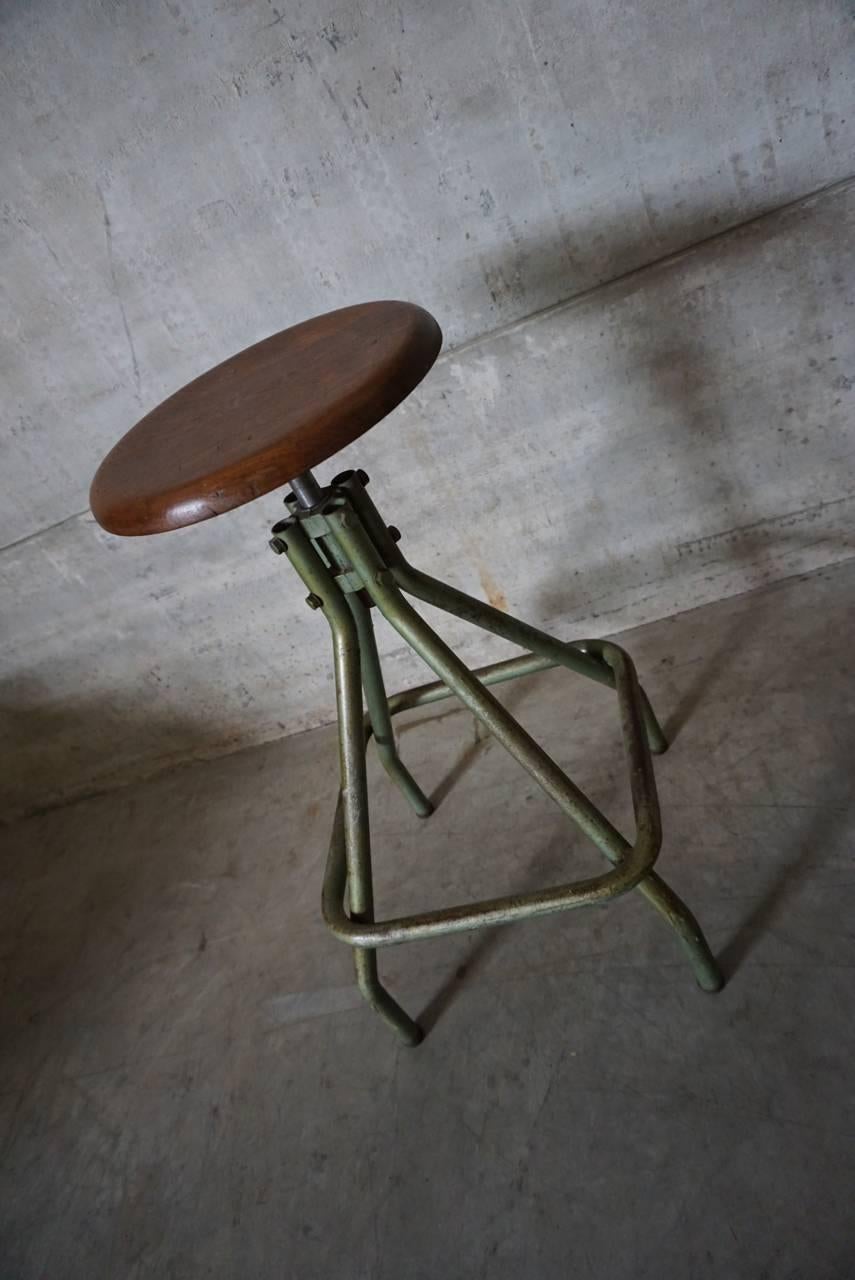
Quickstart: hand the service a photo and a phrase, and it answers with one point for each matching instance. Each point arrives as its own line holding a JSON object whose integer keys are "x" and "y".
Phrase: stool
{"x": 265, "y": 418}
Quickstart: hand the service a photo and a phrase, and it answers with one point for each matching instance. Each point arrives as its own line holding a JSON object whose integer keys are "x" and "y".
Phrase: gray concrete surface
{"x": 191, "y": 1087}
{"x": 180, "y": 179}
{"x": 681, "y": 435}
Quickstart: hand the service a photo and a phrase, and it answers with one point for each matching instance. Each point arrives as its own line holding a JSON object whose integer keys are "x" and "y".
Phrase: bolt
{"x": 394, "y": 534}
{"x": 313, "y": 601}
{"x": 277, "y": 545}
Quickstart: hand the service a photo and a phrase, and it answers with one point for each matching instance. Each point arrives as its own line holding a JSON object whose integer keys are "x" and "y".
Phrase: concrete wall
{"x": 180, "y": 180}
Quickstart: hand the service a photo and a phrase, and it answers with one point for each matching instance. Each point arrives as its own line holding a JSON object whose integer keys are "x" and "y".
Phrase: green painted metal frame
{"x": 350, "y": 561}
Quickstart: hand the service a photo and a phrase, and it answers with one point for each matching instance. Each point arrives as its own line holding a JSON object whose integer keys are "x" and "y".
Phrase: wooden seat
{"x": 264, "y": 416}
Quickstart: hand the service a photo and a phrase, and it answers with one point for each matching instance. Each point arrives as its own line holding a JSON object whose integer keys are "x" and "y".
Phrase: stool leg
{"x": 354, "y": 781}
{"x": 354, "y": 788}
{"x": 384, "y": 590}
{"x": 439, "y": 594}
{"x": 708, "y": 975}
{"x": 365, "y": 961}
{"x": 573, "y": 656}
{"x": 457, "y": 677}
{"x": 378, "y": 710}
{"x": 442, "y": 596}
{"x": 689, "y": 933}
{"x": 356, "y": 823}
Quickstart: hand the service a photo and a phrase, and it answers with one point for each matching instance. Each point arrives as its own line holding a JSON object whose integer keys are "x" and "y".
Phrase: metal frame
{"x": 350, "y": 561}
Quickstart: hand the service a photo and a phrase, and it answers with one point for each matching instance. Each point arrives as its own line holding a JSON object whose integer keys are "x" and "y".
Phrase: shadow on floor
{"x": 59, "y": 755}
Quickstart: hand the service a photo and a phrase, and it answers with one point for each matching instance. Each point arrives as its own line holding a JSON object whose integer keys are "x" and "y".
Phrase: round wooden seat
{"x": 264, "y": 416}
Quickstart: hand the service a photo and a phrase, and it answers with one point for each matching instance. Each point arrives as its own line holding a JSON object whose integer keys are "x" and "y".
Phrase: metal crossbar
{"x": 350, "y": 561}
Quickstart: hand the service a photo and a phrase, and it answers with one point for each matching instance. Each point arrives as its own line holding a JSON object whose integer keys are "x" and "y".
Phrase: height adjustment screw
{"x": 277, "y": 545}
{"x": 394, "y": 534}
{"x": 313, "y": 601}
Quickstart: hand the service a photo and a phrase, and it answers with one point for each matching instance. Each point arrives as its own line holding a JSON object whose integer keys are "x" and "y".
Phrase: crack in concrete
{"x": 108, "y": 235}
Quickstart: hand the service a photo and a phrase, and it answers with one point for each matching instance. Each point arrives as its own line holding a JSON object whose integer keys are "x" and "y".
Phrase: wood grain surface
{"x": 263, "y": 416}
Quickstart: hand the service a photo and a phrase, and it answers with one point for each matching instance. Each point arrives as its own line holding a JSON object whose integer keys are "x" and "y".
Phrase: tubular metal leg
{"x": 343, "y": 551}
{"x": 378, "y": 710}
{"x": 457, "y": 677}
{"x": 662, "y": 897}
{"x": 443, "y": 596}
{"x": 365, "y": 959}
{"x": 354, "y": 784}
{"x": 356, "y": 822}
{"x": 573, "y": 656}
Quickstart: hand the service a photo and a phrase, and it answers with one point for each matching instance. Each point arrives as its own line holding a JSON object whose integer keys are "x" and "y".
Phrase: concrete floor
{"x": 191, "y": 1086}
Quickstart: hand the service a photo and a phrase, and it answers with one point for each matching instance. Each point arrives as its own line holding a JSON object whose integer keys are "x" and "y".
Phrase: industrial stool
{"x": 264, "y": 418}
